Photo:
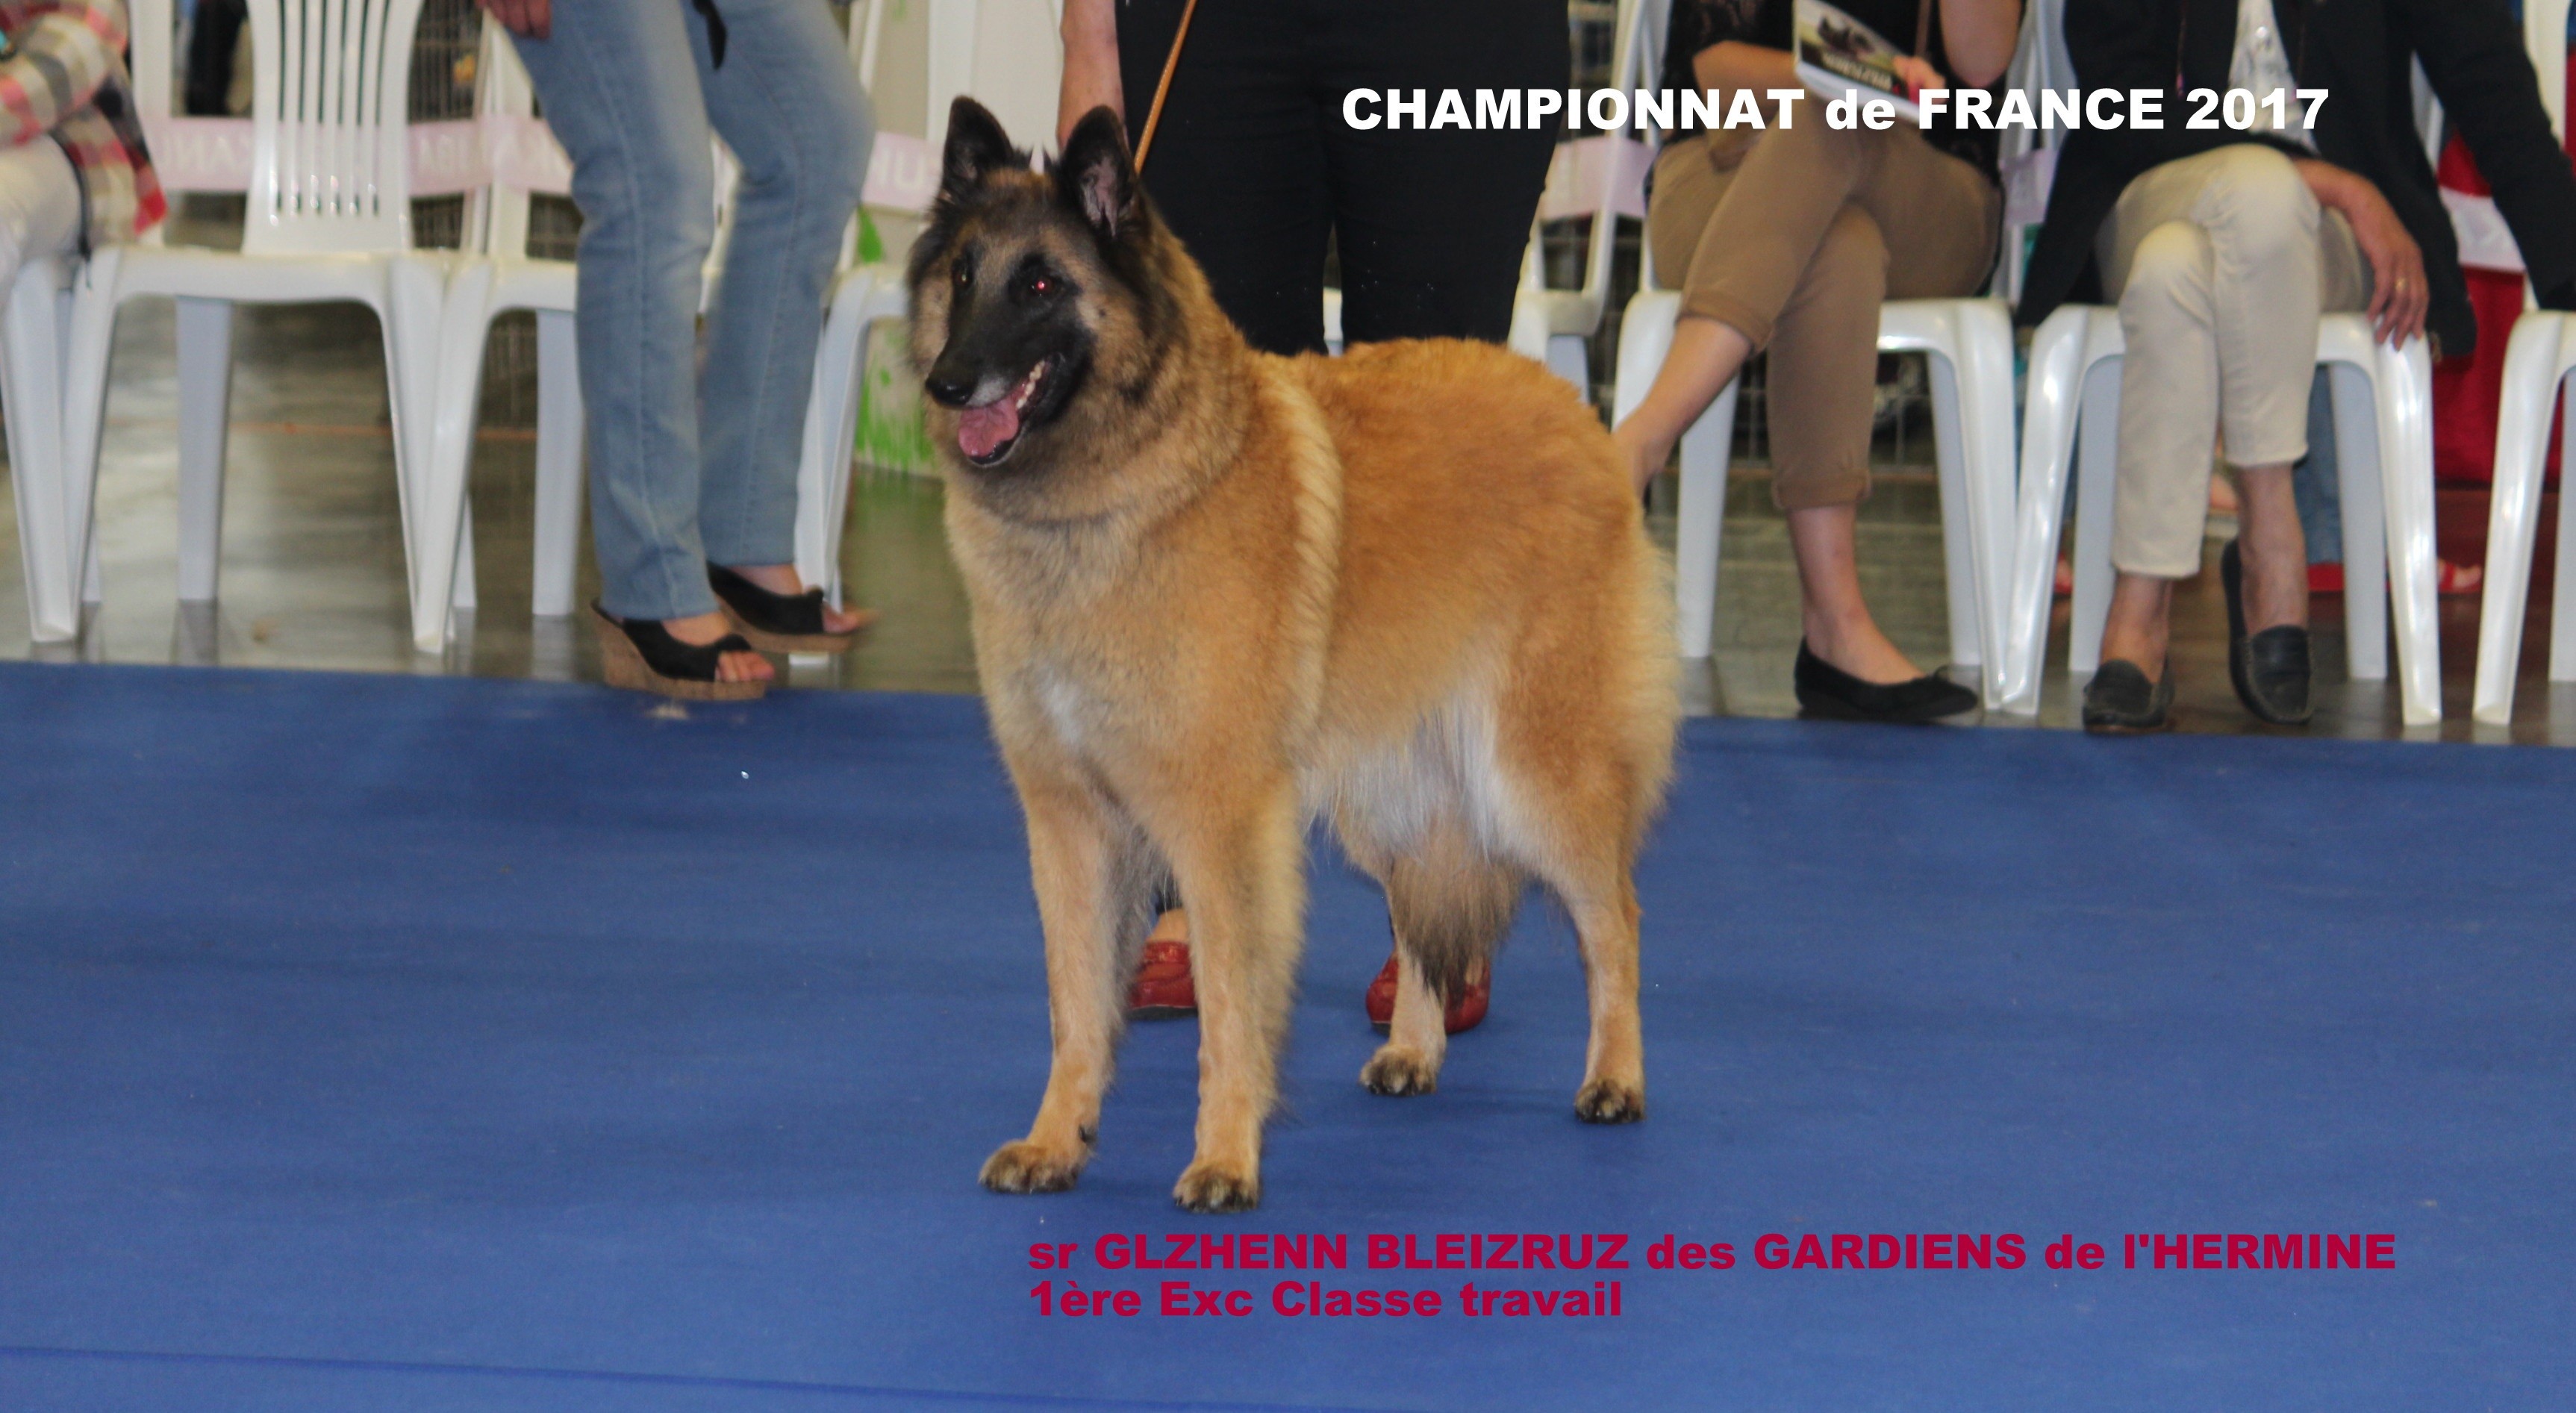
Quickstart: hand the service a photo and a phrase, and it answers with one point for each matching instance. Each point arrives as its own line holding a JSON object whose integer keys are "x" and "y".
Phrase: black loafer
{"x": 2120, "y": 702}
{"x": 1827, "y": 691}
{"x": 2271, "y": 669}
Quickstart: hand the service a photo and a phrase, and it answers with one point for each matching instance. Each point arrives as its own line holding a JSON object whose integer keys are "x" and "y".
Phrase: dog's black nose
{"x": 947, "y": 392}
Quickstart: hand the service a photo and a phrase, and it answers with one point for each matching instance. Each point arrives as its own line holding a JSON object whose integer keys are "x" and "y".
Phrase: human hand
{"x": 2399, "y": 292}
{"x": 1919, "y": 75}
{"x": 528, "y": 19}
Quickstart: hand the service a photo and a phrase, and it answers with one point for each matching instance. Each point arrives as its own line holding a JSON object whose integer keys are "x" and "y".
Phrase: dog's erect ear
{"x": 976, "y": 145}
{"x": 1096, "y": 178}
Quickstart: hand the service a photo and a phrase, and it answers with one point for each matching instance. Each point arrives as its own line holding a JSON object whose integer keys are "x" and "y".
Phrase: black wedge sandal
{"x": 780, "y": 623}
{"x": 640, "y": 655}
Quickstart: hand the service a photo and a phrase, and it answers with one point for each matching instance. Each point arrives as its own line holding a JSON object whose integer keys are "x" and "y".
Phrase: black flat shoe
{"x": 2272, "y": 668}
{"x": 640, "y": 655}
{"x": 779, "y": 623}
{"x": 1827, "y": 691}
{"x": 2120, "y": 702}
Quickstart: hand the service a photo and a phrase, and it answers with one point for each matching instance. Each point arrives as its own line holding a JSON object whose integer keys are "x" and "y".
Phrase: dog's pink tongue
{"x": 980, "y": 430}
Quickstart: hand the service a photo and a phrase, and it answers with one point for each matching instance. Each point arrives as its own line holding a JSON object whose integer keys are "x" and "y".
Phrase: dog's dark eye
{"x": 1041, "y": 285}
{"x": 963, "y": 274}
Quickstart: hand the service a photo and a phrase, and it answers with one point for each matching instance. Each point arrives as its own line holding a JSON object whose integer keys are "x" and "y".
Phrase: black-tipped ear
{"x": 1096, "y": 177}
{"x": 976, "y": 145}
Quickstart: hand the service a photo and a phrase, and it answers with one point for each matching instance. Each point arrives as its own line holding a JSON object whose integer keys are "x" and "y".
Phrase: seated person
{"x": 2223, "y": 249}
{"x": 1789, "y": 239}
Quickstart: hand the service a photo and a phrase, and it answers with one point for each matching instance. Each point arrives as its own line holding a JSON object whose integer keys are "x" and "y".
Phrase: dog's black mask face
{"x": 1009, "y": 280}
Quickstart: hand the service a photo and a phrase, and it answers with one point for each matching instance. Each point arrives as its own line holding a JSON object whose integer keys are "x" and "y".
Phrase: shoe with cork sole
{"x": 780, "y": 623}
{"x": 640, "y": 655}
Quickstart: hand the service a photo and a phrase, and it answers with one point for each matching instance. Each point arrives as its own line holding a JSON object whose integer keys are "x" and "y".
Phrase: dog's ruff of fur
{"x": 1217, "y": 594}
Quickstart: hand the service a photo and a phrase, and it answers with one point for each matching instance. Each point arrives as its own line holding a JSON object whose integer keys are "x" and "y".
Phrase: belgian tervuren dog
{"x": 1217, "y": 594}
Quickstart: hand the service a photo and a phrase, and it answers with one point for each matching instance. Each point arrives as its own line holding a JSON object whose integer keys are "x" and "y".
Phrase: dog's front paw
{"x": 1028, "y": 1167}
{"x": 1211, "y": 1186}
{"x": 1610, "y": 1101}
{"x": 1397, "y": 1070}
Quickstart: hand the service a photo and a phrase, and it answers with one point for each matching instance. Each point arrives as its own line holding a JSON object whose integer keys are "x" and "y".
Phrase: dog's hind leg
{"x": 1241, "y": 871}
{"x": 1451, "y": 904}
{"x": 1582, "y": 824}
{"x": 1088, "y": 866}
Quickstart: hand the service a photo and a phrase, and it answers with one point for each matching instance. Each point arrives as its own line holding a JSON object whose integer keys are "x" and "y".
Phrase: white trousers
{"x": 2222, "y": 264}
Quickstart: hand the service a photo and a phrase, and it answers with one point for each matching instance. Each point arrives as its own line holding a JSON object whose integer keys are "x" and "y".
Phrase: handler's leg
{"x": 786, "y": 103}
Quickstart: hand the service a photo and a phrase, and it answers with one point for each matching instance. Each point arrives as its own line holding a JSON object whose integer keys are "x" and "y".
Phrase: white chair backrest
{"x": 1618, "y": 169}
{"x": 151, "y": 34}
{"x": 502, "y": 98}
{"x": 330, "y": 84}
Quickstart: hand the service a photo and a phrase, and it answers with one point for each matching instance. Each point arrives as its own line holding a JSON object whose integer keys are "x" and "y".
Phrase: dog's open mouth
{"x": 987, "y": 432}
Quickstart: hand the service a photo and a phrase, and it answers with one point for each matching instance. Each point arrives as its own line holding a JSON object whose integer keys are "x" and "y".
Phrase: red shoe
{"x": 1162, "y": 989}
{"x": 1466, "y": 1009}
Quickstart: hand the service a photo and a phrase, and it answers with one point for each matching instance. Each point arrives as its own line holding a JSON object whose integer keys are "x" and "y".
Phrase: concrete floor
{"x": 313, "y": 572}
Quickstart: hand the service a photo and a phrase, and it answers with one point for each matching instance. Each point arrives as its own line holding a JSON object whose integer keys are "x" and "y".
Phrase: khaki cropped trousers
{"x": 1794, "y": 237}
{"x": 2222, "y": 264}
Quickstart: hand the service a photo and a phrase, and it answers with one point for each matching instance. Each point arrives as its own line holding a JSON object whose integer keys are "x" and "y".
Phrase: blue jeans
{"x": 686, "y": 471}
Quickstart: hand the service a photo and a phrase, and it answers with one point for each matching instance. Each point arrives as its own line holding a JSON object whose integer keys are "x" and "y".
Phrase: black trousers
{"x": 1254, "y": 168}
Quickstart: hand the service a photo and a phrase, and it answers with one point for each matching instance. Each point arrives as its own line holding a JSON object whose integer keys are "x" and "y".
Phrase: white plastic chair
{"x": 1970, "y": 345}
{"x": 328, "y": 218}
{"x": 2536, "y": 364}
{"x": 2383, "y": 404}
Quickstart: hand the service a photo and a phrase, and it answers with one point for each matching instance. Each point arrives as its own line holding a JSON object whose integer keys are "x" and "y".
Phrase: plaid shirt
{"x": 64, "y": 77}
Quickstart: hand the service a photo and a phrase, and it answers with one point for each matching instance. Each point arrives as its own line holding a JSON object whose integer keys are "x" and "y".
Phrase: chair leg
{"x": 1958, "y": 511}
{"x": 2047, "y": 448}
{"x": 2531, "y": 377}
{"x": 2406, "y": 475}
{"x": 2361, "y": 460}
{"x": 31, "y": 377}
{"x": 1986, "y": 425}
{"x": 1700, "y": 522}
{"x": 430, "y": 307}
{"x": 823, "y": 467}
{"x": 559, "y": 436}
{"x": 2097, "y": 470}
{"x": 205, "y": 336}
{"x": 90, "y": 337}
{"x": 2562, "y": 599}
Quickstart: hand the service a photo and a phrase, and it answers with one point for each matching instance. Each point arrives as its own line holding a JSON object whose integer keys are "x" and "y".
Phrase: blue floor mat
{"x": 388, "y": 1043}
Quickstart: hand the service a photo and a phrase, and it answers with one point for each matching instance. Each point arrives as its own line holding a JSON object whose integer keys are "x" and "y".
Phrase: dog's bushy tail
{"x": 1451, "y": 903}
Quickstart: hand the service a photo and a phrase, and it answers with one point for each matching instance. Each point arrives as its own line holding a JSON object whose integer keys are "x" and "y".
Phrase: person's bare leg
{"x": 2272, "y": 547}
{"x": 1836, "y": 619}
{"x": 2140, "y": 623}
{"x": 1705, "y": 355}
{"x": 783, "y": 579}
{"x": 700, "y": 629}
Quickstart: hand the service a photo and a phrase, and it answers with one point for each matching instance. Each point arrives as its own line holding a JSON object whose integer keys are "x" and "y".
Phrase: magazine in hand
{"x": 1839, "y": 57}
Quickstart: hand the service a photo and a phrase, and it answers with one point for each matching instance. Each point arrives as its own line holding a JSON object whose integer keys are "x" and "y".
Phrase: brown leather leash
{"x": 1171, "y": 61}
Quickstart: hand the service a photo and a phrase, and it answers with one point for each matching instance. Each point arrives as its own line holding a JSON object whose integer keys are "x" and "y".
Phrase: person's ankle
{"x": 698, "y": 629}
